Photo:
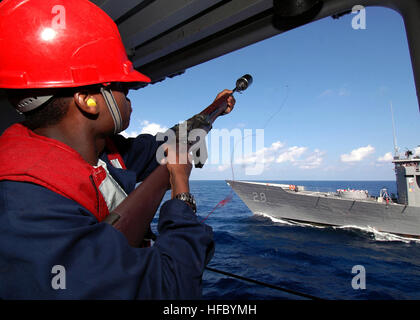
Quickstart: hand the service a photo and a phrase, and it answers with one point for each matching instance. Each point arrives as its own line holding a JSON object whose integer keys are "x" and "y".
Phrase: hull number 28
{"x": 259, "y": 197}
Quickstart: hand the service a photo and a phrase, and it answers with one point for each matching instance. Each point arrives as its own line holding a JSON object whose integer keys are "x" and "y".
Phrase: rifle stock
{"x": 216, "y": 109}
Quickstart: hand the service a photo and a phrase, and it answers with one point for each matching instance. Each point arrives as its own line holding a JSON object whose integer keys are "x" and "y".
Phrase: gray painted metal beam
{"x": 98, "y": 2}
{"x": 411, "y": 18}
{"x": 219, "y": 19}
{"x": 158, "y": 17}
{"x": 228, "y": 42}
{"x": 116, "y": 9}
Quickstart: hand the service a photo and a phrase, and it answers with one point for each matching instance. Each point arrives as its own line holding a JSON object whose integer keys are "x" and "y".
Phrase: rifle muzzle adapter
{"x": 243, "y": 83}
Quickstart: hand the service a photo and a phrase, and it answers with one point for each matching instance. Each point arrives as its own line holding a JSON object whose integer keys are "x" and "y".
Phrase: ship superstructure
{"x": 408, "y": 179}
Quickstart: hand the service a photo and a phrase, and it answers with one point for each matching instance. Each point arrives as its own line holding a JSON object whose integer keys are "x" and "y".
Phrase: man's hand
{"x": 178, "y": 162}
{"x": 230, "y": 101}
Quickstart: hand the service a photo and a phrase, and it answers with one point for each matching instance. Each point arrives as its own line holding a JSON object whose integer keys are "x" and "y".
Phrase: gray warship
{"x": 356, "y": 208}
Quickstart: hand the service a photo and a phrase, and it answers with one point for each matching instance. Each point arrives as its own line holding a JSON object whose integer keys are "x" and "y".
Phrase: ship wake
{"x": 379, "y": 235}
{"x": 371, "y": 232}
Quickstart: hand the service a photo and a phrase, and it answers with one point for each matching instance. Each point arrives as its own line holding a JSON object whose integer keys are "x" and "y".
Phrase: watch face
{"x": 188, "y": 198}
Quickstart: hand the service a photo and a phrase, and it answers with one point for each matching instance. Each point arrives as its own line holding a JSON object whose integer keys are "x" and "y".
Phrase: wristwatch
{"x": 188, "y": 198}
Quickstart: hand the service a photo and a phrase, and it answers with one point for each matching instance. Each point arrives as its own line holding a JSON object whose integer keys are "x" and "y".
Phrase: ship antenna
{"x": 396, "y": 152}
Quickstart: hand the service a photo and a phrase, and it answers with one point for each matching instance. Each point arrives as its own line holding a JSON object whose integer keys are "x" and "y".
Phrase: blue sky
{"x": 321, "y": 93}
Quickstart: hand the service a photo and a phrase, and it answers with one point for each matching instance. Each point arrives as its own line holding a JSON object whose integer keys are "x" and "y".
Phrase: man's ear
{"x": 86, "y": 102}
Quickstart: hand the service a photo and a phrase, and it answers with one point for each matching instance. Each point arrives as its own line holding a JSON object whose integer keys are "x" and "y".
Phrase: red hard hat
{"x": 60, "y": 44}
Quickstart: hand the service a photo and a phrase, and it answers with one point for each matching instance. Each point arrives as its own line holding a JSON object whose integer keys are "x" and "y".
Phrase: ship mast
{"x": 396, "y": 152}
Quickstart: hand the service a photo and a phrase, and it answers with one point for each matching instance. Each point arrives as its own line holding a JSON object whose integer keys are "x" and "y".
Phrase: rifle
{"x": 134, "y": 214}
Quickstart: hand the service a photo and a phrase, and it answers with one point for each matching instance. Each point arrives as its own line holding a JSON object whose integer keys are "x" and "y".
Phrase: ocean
{"x": 317, "y": 261}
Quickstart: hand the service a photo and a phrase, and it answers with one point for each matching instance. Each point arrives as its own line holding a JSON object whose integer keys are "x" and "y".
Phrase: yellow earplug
{"x": 91, "y": 102}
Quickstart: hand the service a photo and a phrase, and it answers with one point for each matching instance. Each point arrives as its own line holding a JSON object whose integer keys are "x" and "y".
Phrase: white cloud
{"x": 416, "y": 151}
{"x": 131, "y": 134}
{"x": 387, "y": 157}
{"x": 146, "y": 127}
{"x": 313, "y": 161}
{"x": 276, "y": 154}
{"x": 358, "y": 154}
{"x": 264, "y": 155}
{"x": 291, "y": 154}
{"x": 152, "y": 128}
